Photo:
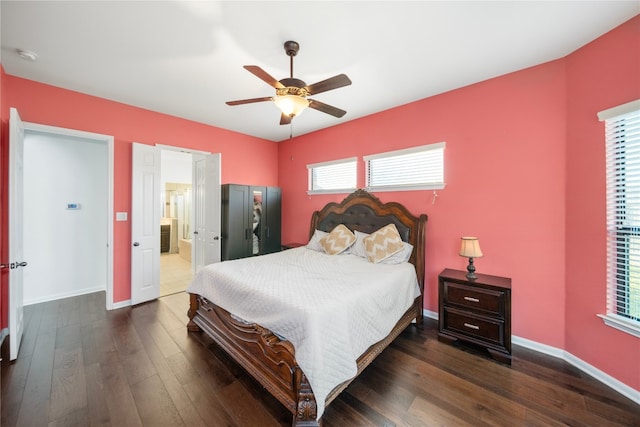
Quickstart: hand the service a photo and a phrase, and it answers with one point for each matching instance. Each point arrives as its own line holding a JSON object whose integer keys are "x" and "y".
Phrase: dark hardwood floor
{"x": 80, "y": 365}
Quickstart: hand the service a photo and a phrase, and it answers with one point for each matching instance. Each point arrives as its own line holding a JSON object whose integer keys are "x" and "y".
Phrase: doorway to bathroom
{"x": 176, "y": 196}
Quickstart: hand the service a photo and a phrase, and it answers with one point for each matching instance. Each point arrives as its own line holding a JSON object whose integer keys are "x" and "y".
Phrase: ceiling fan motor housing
{"x": 292, "y": 87}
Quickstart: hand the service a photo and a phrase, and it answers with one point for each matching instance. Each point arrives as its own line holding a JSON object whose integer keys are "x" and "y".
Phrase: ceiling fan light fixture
{"x": 291, "y": 105}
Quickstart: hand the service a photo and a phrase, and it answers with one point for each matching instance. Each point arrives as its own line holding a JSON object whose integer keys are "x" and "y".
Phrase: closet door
{"x": 236, "y": 239}
{"x": 272, "y": 222}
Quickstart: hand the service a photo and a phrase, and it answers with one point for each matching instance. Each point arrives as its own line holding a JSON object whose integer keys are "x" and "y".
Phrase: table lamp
{"x": 470, "y": 248}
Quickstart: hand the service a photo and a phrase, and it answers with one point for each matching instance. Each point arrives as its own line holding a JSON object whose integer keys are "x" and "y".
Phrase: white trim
{"x": 585, "y": 367}
{"x": 539, "y": 347}
{"x": 181, "y": 149}
{"x": 619, "y": 110}
{"x": 74, "y": 293}
{"x": 620, "y": 323}
{"x": 332, "y": 162}
{"x": 419, "y": 149}
{"x": 603, "y": 377}
{"x": 110, "y": 218}
{"x": 333, "y": 191}
{"x": 121, "y": 304}
{"x": 432, "y": 186}
{"x": 430, "y": 314}
{"x": 3, "y": 334}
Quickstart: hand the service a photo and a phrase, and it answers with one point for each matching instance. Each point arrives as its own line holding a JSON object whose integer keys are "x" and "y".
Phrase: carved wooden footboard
{"x": 270, "y": 360}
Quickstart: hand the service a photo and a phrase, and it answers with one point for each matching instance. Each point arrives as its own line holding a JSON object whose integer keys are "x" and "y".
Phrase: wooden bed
{"x": 270, "y": 360}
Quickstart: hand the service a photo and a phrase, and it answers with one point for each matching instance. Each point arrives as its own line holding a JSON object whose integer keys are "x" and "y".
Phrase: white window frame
{"x": 328, "y": 165}
{"x": 436, "y": 149}
{"x": 619, "y": 225}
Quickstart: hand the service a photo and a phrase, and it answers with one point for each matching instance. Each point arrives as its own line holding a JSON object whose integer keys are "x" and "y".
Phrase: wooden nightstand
{"x": 476, "y": 311}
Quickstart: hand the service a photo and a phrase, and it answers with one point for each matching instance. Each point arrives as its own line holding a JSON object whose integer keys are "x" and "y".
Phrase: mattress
{"x": 331, "y": 308}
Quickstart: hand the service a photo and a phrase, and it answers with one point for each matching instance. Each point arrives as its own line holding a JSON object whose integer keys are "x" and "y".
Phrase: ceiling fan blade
{"x": 264, "y": 76}
{"x": 284, "y": 119}
{"x": 326, "y": 108}
{"x": 331, "y": 83}
{"x": 249, "y": 101}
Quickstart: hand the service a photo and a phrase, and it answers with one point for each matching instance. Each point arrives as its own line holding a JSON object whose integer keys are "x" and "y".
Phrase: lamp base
{"x": 471, "y": 275}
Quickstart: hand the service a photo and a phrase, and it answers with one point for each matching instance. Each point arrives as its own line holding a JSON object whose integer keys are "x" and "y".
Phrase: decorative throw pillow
{"x": 338, "y": 240}
{"x": 383, "y": 243}
{"x": 314, "y": 242}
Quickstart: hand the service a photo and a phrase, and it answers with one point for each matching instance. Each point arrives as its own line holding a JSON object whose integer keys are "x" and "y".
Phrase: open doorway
{"x": 176, "y": 230}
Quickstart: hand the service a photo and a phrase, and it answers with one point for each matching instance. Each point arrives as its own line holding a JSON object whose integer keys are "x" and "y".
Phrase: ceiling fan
{"x": 291, "y": 93}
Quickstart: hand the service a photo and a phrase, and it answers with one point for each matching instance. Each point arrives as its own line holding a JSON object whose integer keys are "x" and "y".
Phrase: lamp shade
{"x": 470, "y": 247}
{"x": 291, "y": 105}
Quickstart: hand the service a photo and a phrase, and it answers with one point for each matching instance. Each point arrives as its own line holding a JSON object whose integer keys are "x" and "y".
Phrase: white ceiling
{"x": 185, "y": 58}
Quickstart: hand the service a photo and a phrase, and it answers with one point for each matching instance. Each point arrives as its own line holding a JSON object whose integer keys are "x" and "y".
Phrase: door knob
{"x": 216, "y": 238}
{"x": 136, "y": 244}
{"x": 14, "y": 265}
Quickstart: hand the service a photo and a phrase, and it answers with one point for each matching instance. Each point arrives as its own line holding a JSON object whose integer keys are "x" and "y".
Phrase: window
{"x": 338, "y": 176}
{"x": 622, "y": 131}
{"x": 417, "y": 168}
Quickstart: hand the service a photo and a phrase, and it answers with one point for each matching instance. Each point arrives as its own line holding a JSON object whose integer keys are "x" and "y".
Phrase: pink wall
{"x": 38, "y": 103}
{"x": 504, "y": 173}
{"x": 524, "y": 167}
{"x": 602, "y": 74}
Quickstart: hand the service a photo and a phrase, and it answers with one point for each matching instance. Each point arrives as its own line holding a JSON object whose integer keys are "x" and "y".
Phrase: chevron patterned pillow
{"x": 338, "y": 240}
{"x": 383, "y": 243}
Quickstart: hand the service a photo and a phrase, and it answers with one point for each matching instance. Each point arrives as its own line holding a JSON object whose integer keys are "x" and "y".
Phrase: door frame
{"x": 109, "y": 141}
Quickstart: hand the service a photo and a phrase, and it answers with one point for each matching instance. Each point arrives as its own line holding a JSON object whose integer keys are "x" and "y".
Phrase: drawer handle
{"x": 471, "y": 299}
{"x": 470, "y": 326}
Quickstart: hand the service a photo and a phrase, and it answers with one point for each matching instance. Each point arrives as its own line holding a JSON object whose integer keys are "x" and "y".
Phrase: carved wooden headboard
{"x": 364, "y": 212}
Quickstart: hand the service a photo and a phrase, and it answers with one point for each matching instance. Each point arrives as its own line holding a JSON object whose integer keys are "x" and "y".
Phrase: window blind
{"x": 623, "y": 215}
{"x": 338, "y": 176}
{"x": 417, "y": 168}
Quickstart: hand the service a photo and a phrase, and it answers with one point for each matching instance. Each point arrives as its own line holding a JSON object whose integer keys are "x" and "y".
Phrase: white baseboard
{"x": 603, "y": 377}
{"x": 596, "y": 373}
{"x": 120, "y": 304}
{"x": 430, "y": 314}
{"x": 3, "y": 334}
{"x": 539, "y": 347}
{"x": 62, "y": 295}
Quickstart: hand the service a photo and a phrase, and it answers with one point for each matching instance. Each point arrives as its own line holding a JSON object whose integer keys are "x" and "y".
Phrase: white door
{"x": 145, "y": 223}
{"x": 16, "y": 167}
{"x": 206, "y": 209}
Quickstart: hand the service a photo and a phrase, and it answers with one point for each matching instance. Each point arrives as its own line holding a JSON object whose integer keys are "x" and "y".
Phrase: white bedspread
{"x": 331, "y": 308}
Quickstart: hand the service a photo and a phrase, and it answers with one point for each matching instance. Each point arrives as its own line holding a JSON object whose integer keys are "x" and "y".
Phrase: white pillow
{"x": 358, "y": 246}
{"x": 399, "y": 257}
{"x": 314, "y": 242}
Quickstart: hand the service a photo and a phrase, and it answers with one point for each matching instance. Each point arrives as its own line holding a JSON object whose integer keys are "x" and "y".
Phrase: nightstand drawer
{"x": 475, "y": 298}
{"x": 465, "y": 323}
